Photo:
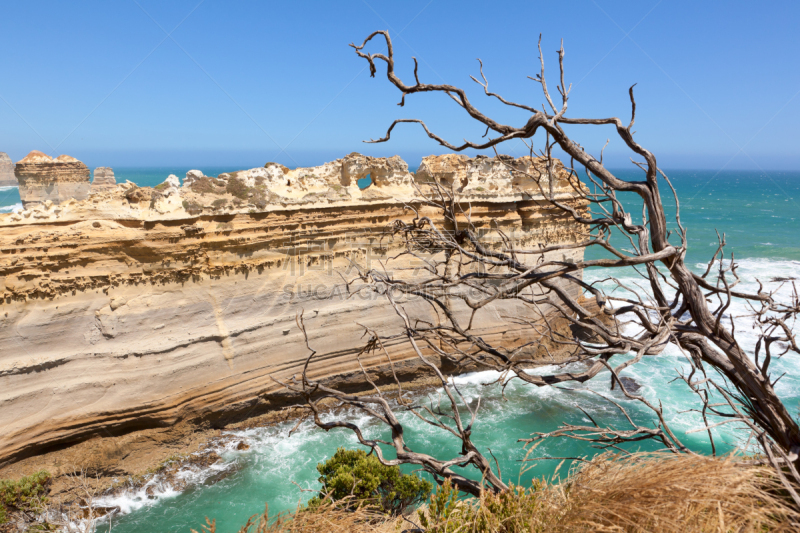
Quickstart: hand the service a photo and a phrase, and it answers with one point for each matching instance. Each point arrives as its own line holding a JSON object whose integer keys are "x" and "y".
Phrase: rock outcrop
{"x": 7, "y": 178}
{"x": 103, "y": 180}
{"x": 142, "y": 307}
{"x": 42, "y": 179}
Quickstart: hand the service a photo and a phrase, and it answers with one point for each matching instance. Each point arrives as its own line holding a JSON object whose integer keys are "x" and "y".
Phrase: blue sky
{"x": 241, "y": 83}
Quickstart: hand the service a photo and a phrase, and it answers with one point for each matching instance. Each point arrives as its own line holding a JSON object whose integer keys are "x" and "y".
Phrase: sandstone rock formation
{"x": 479, "y": 175}
{"x": 103, "y": 180}
{"x": 7, "y": 178}
{"x": 42, "y": 178}
{"x": 193, "y": 175}
{"x": 141, "y": 307}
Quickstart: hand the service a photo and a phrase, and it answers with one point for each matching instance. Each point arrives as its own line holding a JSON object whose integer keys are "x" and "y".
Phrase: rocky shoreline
{"x": 152, "y": 461}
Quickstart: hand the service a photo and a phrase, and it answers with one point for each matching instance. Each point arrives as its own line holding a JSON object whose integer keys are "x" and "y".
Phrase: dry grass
{"x": 326, "y": 518}
{"x": 668, "y": 493}
{"x": 645, "y": 492}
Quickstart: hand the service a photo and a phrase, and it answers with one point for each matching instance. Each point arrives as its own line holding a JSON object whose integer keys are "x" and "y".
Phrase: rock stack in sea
{"x": 103, "y": 180}
{"x": 42, "y": 178}
{"x": 7, "y": 178}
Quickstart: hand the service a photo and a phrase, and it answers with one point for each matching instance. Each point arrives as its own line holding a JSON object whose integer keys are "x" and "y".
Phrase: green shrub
{"x": 219, "y": 202}
{"x": 237, "y": 188}
{"x": 206, "y": 185}
{"x": 160, "y": 187}
{"x": 27, "y": 494}
{"x": 353, "y": 478}
{"x": 192, "y": 207}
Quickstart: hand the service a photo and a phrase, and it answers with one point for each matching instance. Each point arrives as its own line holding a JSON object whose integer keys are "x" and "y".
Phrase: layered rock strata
{"x": 44, "y": 179}
{"x": 7, "y": 178}
{"x": 103, "y": 180}
{"x": 142, "y": 307}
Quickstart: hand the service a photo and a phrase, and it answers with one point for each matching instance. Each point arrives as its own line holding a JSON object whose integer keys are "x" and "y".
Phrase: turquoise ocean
{"x": 760, "y": 215}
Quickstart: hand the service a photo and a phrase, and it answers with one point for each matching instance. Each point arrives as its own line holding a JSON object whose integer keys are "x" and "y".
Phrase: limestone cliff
{"x": 103, "y": 180}
{"x": 141, "y": 307}
{"x": 7, "y": 178}
{"x": 42, "y": 179}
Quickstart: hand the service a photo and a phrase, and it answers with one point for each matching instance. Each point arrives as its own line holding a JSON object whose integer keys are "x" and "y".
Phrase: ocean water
{"x": 760, "y": 215}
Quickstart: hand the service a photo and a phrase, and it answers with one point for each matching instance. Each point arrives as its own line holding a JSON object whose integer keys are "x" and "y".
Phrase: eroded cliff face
{"x": 7, "y": 178}
{"x": 143, "y": 307}
{"x": 44, "y": 179}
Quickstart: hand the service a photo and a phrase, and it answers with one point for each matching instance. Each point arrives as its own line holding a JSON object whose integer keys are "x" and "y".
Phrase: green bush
{"x": 353, "y": 478}
{"x": 27, "y": 494}
{"x": 206, "y": 185}
{"x": 192, "y": 207}
{"x": 237, "y": 188}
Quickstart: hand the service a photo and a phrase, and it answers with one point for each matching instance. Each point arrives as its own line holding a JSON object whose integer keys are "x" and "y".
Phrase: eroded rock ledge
{"x": 142, "y": 307}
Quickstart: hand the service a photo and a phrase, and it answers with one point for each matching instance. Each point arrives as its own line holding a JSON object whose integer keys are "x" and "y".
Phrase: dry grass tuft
{"x": 643, "y": 492}
{"x": 665, "y": 492}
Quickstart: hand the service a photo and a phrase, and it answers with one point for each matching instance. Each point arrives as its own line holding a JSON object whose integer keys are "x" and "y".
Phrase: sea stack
{"x": 7, "y": 178}
{"x": 42, "y": 178}
{"x": 103, "y": 180}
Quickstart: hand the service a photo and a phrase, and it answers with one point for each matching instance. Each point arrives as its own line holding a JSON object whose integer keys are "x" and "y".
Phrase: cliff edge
{"x": 142, "y": 307}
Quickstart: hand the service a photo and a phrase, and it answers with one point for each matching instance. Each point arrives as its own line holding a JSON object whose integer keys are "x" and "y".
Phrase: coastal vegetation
{"x": 26, "y": 496}
{"x": 353, "y": 479}
{"x": 612, "y": 492}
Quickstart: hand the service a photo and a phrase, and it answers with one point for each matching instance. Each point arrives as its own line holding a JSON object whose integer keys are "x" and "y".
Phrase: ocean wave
{"x": 159, "y": 487}
{"x": 11, "y": 208}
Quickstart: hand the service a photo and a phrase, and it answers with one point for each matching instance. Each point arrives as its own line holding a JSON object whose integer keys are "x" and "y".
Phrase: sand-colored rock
{"x": 479, "y": 175}
{"x": 103, "y": 180}
{"x": 192, "y": 175}
{"x": 43, "y": 178}
{"x": 143, "y": 307}
{"x": 7, "y": 178}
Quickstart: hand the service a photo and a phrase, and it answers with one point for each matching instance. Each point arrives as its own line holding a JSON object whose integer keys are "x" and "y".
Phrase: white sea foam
{"x": 130, "y": 501}
{"x": 11, "y": 208}
{"x": 157, "y": 489}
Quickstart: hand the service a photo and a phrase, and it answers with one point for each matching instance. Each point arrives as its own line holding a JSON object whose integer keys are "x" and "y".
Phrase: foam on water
{"x": 14, "y": 208}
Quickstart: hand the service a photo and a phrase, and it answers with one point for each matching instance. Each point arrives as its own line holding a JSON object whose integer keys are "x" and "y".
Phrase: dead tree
{"x": 680, "y": 307}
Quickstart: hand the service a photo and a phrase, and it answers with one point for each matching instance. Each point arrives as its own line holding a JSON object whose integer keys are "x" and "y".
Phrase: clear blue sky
{"x": 237, "y": 82}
